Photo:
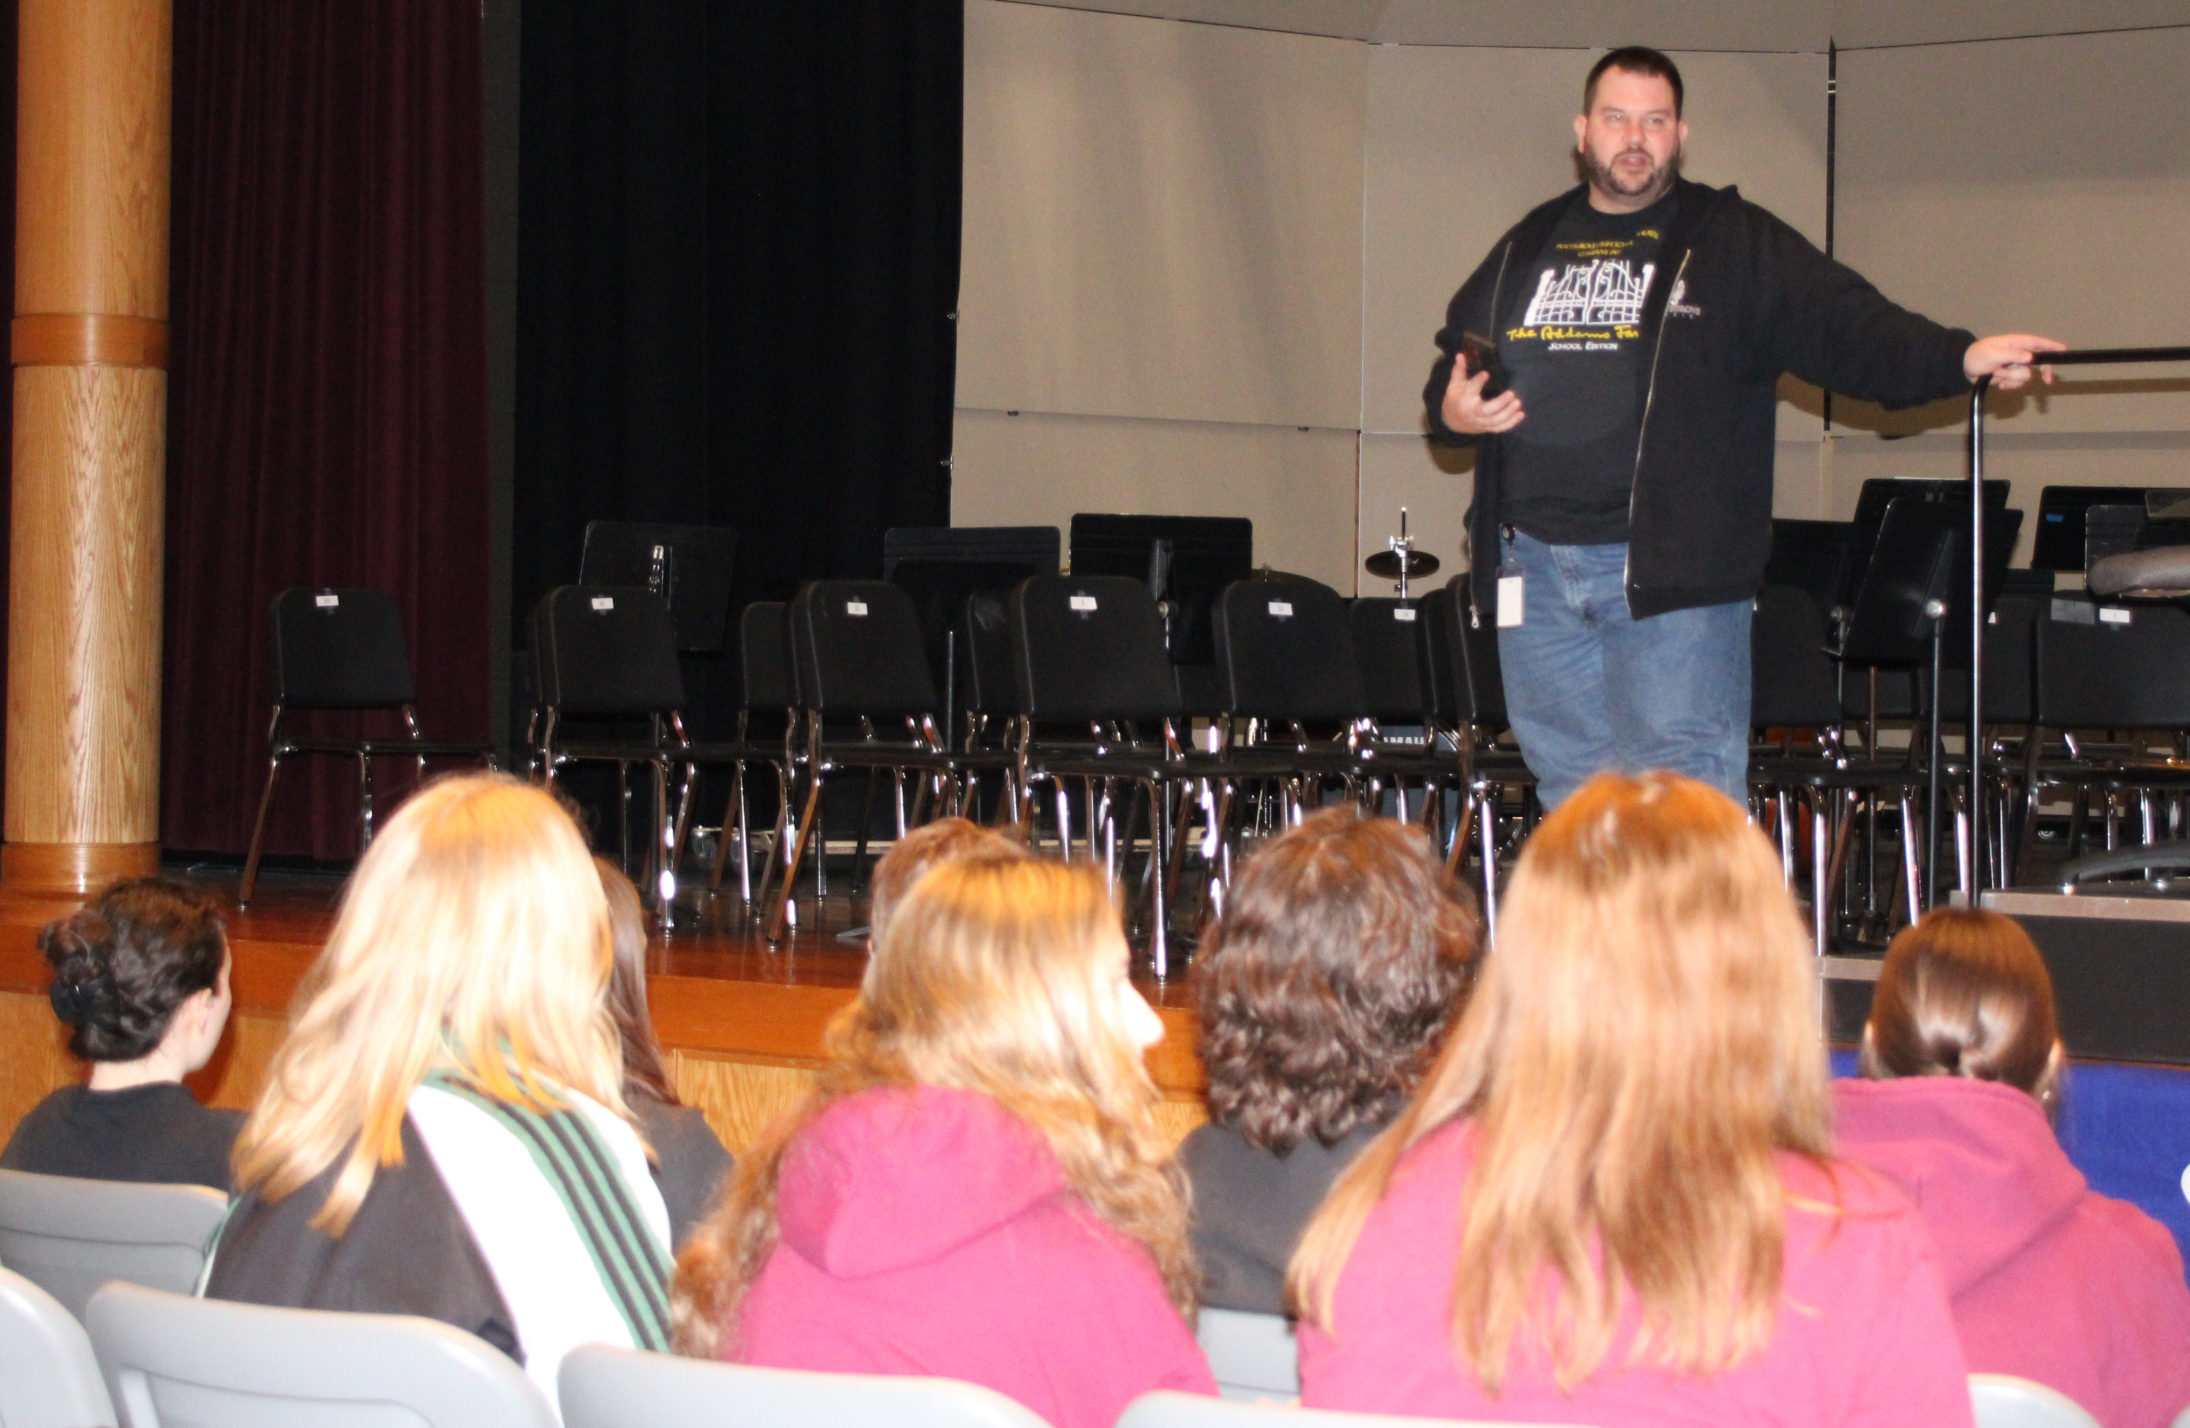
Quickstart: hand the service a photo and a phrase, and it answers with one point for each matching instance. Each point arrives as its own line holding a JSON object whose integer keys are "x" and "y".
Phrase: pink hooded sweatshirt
{"x": 2048, "y": 1280}
{"x": 1863, "y": 1338}
{"x": 932, "y": 1232}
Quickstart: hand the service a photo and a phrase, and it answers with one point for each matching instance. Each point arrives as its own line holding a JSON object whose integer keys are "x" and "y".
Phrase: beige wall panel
{"x": 2027, "y": 463}
{"x": 1602, "y": 24}
{"x": 1160, "y": 219}
{"x": 1351, "y": 19}
{"x": 1955, "y": 201}
{"x": 1435, "y": 483}
{"x": 1038, "y": 469}
{"x": 1462, "y": 142}
{"x": 1864, "y": 23}
{"x": 1801, "y": 489}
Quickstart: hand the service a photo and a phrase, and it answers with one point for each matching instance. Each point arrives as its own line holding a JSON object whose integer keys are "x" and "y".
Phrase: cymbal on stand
{"x": 1385, "y": 565}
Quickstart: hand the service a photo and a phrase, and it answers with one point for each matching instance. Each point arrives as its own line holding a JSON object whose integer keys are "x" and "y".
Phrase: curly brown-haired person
{"x": 1344, "y": 950}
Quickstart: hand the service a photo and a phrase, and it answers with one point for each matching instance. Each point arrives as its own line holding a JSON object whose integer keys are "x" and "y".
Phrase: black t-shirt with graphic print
{"x": 1573, "y": 357}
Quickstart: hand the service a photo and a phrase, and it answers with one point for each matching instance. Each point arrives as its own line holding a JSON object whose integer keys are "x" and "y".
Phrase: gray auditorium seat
{"x": 71, "y": 1236}
{"x": 48, "y": 1377}
{"x": 2159, "y": 574}
{"x": 603, "y": 1387}
{"x": 1254, "y": 1356}
{"x": 175, "y": 1362}
{"x": 2004, "y": 1401}
{"x": 1166, "y": 1409}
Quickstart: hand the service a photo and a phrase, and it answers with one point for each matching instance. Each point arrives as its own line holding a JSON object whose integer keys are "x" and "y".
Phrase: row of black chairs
{"x": 1068, "y": 691}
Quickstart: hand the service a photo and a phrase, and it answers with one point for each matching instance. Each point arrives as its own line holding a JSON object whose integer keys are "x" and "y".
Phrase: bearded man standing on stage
{"x": 1614, "y": 361}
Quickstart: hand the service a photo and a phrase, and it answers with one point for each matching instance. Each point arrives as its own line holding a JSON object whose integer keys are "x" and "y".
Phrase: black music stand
{"x": 1820, "y": 558}
{"x": 939, "y": 566}
{"x": 1917, "y": 581}
{"x": 1185, "y": 561}
{"x": 2058, "y": 542}
{"x": 688, "y": 567}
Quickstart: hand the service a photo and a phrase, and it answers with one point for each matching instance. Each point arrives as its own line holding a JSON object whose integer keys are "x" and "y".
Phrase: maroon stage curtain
{"x": 327, "y": 410}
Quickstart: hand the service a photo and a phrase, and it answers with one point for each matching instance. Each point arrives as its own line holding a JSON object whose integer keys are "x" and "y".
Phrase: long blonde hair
{"x": 1640, "y": 1043}
{"x": 473, "y": 937}
{"x": 997, "y": 976}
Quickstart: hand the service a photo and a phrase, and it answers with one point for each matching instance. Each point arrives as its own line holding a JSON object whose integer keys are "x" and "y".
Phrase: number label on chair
{"x": 2113, "y": 615}
{"x": 1082, "y": 602}
{"x": 1404, "y": 614}
{"x": 604, "y": 602}
{"x": 855, "y": 607}
{"x": 1282, "y": 609}
{"x": 326, "y": 602}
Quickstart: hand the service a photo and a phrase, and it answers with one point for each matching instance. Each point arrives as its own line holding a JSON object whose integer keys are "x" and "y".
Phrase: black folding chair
{"x": 342, "y": 649}
{"x": 857, "y": 649}
{"x": 1795, "y": 687}
{"x": 2111, "y": 668}
{"x": 1468, "y": 701}
{"x": 767, "y": 728}
{"x": 990, "y": 693}
{"x": 608, "y": 655}
{"x": 1089, "y": 651}
{"x": 1391, "y": 640}
{"x": 1285, "y": 660}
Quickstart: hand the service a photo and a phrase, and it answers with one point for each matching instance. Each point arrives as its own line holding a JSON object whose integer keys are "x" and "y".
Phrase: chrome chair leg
{"x": 258, "y": 834}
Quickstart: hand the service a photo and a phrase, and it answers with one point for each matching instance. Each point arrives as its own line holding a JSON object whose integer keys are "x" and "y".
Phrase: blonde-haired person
{"x": 976, "y": 1188}
{"x": 444, "y": 1132}
{"x": 1962, "y": 1065}
{"x": 690, "y": 1162}
{"x": 1613, "y": 1200}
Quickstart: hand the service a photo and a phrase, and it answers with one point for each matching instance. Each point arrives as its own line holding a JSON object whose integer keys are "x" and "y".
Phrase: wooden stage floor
{"x": 742, "y": 1021}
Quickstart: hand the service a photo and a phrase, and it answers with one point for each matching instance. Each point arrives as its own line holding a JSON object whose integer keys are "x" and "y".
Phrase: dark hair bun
{"x": 126, "y": 960}
{"x": 83, "y": 989}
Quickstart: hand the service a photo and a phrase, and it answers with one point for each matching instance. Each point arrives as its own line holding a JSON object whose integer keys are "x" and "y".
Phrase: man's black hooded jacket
{"x": 1738, "y": 298}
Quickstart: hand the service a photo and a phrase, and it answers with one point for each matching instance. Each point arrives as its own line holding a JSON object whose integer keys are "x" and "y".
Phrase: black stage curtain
{"x": 327, "y": 416}
{"x": 737, "y": 275}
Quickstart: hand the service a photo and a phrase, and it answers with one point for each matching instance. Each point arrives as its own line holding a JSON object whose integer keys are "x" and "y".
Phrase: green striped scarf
{"x": 633, "y": 1265}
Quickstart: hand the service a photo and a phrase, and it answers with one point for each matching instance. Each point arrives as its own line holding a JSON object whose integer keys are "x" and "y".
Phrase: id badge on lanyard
{"x": 1510, "y": 588}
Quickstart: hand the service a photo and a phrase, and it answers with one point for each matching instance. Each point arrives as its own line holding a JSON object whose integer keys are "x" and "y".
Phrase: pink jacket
{"x": 1863, "y": 1337}
{"x": 2047, "y": 1279}
{"x": 932, "y": 1232}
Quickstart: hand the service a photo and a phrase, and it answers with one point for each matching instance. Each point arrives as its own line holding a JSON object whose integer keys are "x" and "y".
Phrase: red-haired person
{"x": 2050, "y": 1281}
{"x": 1613, "y": 1200}
{"x": 977, "y": 1188}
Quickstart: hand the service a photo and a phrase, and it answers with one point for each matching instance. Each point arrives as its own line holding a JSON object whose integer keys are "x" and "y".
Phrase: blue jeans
{"x": 1589, "y": 687}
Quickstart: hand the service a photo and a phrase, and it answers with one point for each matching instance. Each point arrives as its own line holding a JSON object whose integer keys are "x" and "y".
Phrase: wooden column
{"x": 89, "y": 346}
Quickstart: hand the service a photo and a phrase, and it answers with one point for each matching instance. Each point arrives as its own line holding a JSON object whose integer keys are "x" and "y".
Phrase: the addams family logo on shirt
{"x": 1674, "y": 307}
{"x": 1604, "y": 292}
